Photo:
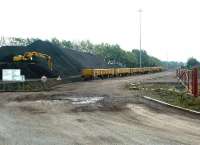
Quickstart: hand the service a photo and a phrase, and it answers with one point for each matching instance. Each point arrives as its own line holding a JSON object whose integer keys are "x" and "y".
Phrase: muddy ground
{"x": 93, "y": 112}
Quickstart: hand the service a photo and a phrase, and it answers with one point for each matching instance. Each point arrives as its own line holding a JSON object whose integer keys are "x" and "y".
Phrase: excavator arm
{"x": 28, "y": 56}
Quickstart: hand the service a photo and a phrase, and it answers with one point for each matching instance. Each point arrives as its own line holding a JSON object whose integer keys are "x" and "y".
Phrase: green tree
{"x": 87, "y": 46}
{"x": 55, "y": 41}
{"x": 192, "y": 62}
{"x": 67, "y": 44}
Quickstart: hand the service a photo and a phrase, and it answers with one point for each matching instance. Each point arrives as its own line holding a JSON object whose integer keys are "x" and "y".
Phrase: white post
{"x": 140, "y": 23}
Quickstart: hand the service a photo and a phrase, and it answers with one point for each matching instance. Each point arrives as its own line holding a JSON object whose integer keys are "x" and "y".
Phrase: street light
{"x": 140, "y": 27}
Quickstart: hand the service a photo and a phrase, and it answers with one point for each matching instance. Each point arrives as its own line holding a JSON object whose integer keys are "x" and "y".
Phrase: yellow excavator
{"x": 29, "y": 55}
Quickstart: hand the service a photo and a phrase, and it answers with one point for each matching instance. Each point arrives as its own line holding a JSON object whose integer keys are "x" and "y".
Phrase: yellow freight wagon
{"x": 147, "y": 70}
{"x": 95, "y": 73}
{"x": 133, "y": 71}
{"x": 103, "y": 73}
{"x": 116, "y": 72}
{"x": 89, "y": 73}
{"x": 110, "y": 72}
{"x": 139, "y": 70}
{"x": 156, "y": 69}
{"x": 123, "y": 71}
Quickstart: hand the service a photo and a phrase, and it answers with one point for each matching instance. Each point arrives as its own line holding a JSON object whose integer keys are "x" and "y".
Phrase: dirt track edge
{"x": 154, "y": 103}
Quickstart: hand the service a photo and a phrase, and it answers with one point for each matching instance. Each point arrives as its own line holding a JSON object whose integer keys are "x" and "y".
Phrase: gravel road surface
{"x": 101, "y": 112}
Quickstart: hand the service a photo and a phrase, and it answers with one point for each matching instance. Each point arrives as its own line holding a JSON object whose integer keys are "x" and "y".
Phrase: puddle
{"x": 85, "y": 100}
{"x": 75, "y": 100}
{"x": 71, "y": 104}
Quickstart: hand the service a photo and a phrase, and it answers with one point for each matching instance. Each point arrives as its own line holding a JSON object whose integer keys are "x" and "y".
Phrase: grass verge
{"x": 172, "y": 93}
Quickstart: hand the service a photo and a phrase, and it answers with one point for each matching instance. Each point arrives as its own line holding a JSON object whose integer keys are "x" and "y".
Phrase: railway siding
{"x": 116, "y": 72}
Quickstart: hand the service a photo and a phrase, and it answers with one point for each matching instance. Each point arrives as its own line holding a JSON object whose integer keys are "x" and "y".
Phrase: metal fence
{"x": 190, "y": 79}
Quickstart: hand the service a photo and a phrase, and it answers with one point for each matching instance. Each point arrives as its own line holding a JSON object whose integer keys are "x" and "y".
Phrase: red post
{"x": 185, "y": 76}
{"x": 188, "y": 81}
{"x": 195, "y": 90}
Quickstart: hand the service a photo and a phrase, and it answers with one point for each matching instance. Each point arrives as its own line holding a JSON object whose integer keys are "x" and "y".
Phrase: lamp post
{"x": 140, "y": 28}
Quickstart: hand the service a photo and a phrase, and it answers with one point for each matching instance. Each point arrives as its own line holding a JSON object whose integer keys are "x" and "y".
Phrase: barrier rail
{"x": 189, "y": 78}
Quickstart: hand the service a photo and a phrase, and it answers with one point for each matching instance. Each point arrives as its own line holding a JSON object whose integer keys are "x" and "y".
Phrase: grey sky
{"x": 170, "y": 28}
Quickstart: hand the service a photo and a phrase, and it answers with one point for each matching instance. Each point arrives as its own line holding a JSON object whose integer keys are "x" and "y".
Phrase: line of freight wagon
{"x": 89, "y": 73}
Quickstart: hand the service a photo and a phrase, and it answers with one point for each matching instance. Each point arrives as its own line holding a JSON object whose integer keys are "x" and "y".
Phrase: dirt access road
{"x": 99, "y": 112}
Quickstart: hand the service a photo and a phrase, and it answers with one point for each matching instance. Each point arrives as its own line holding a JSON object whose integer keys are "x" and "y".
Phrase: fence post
{"x": 195, "y": 90}
{"x": 185, "y": 76}
{"x": 178, "y": 73}
{"x": 188, "y": 77}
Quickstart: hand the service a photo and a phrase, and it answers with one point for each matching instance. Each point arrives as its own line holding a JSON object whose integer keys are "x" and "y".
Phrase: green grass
{"x": 174, "y": 94}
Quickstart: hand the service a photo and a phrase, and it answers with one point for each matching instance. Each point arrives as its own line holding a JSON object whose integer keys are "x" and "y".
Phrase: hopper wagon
{"x": 90, "y": 73}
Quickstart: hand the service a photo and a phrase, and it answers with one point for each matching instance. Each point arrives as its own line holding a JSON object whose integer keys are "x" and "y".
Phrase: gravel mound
{"x": 66, "y": 62}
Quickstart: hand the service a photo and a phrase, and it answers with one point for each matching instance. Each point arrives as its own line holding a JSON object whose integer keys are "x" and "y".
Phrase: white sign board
{"x": 12, "y": 75}
{"x": 6, "y": 75}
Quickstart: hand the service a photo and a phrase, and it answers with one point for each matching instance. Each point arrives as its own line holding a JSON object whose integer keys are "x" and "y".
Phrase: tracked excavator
{"x": 28, "y": 56}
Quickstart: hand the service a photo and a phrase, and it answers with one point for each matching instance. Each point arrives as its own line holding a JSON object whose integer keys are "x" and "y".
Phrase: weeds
{"x": 171, "y": 93}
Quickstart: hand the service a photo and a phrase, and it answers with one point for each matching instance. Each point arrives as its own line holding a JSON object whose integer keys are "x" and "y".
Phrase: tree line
{"x": 192, "y": 62}
{"x": 14, "y": 41}
{"x": 114, "y": 55}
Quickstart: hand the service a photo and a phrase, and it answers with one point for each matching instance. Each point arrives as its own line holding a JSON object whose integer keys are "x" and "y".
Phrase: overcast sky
{"x": 170, "y": 28}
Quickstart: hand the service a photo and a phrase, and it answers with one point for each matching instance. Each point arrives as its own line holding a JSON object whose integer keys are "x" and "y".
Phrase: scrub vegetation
{"x": 171, "y": 93}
